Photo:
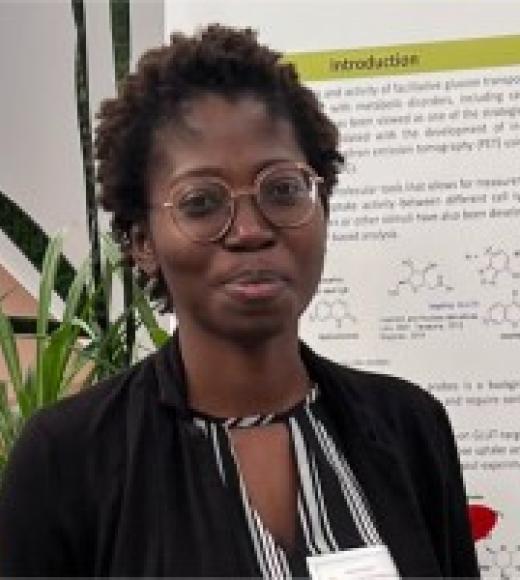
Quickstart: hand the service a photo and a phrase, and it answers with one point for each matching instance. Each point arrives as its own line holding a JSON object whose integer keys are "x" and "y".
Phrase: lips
{"x": 255, "y": 285}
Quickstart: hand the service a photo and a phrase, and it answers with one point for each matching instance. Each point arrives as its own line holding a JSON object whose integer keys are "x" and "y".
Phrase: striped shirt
{"x": 333, "y": 513}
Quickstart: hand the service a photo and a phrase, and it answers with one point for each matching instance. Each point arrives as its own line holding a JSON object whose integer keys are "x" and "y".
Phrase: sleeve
{"x": 461, "y": 560}
{"x": 30, "y": 540}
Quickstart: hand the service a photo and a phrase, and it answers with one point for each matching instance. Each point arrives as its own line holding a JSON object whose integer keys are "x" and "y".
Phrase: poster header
{"x": 407, "y": 58}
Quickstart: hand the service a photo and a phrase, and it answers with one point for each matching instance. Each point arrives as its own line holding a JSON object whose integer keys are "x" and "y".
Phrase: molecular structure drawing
{"x": 497, "y": 263}
{"x": 501, "y": 562}
{"x": 418, "y": 279}
{"x": 336, "y": 309}
{"x": 504, "y": 312}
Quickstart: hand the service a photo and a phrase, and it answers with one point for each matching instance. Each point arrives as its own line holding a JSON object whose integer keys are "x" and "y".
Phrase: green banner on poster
{"x": 407, "y": 59}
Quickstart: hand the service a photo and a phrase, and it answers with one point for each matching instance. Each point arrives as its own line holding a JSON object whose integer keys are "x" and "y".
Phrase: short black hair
{"x": 219, "y": 60}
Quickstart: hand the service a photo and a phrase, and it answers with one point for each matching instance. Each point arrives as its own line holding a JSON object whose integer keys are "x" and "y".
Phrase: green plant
{"x": 108, "y": 348}
{"x": 78, "y": 344}
{"x": 57, "y": 360}
{"x": 140, "y": 306}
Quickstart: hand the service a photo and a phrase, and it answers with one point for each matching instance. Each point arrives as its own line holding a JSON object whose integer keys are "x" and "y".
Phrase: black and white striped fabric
{"x": 333, "y": 513}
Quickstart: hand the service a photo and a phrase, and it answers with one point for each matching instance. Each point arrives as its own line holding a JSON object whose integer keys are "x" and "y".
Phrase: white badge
{"x": 372, "y": 562}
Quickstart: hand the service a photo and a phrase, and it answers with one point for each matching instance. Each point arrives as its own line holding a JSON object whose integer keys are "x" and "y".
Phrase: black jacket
{"x": 117, "y": 482}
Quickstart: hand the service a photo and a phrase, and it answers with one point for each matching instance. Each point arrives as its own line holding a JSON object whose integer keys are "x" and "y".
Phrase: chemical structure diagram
{"x": 501, "y": 561}
{"x": 418, "y": 279}
{"x": 335, "y": 309}
{"x": 504, "y": 313}
{"x": 497, "y": 263}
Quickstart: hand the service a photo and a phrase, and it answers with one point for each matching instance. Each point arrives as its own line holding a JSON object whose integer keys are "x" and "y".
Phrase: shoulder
{"x": 392, "y": 414}
{"x": 381, "y": 399}
{"x": 379, "y": 389}
{"x": 392, "y": 394}
{"x": 61, "y": 475}
{"x": 406, "y": 423}
{"x": 402, "y": 406}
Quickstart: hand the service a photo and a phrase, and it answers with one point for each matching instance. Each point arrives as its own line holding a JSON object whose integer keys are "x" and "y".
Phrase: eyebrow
{"x": 216, "y": 171}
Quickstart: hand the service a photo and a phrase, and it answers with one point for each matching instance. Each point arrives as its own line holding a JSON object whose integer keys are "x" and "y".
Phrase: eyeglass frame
{"x": 251, "y": 191}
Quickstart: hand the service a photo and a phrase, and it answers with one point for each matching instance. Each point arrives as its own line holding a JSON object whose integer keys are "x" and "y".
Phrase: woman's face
{"x": 255, "y": 281}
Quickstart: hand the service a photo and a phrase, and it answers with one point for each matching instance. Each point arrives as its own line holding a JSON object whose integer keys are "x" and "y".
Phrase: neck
{"x": 229, "y": 379}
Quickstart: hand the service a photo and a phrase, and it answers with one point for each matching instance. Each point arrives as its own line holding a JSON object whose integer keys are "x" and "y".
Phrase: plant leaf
{"x": 10, "y": 424}
{"x": 108, "y": 351}
{"x": 27, "y": 396}
{"x": 59, "y": 348}
{"x": 146, "y": 314}
{"x": 76, "y": 290}
{"x": 56, "y": 357}
{"x": 79, "y": 358}
{"x": 47, "y": 283}
{"x": 8, "y": 345}
{"x": 158, "y": 335}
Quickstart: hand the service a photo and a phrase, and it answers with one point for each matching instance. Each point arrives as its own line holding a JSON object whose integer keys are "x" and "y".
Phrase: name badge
{"x": 371, "y": 562}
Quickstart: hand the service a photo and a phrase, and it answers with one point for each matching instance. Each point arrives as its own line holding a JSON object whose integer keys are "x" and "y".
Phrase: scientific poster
{"x": 422, "y": 278}
{"x": 423, "y": 275}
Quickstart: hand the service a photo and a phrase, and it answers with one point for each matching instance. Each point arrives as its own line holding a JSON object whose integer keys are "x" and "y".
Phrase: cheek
{"x": 178, "y": 259}
{"x": 183, "y": 276}
{"x": 317, "y": 261}
{"x": 178, "y": 267}
{"x": 319, "y": 238}
{"x": 312, "y": 255}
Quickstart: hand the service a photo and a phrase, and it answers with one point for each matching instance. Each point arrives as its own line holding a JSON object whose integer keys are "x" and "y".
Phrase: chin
{"x": 254, "y": 332}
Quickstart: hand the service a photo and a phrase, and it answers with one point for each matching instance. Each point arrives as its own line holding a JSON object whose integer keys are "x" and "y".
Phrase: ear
{"x": 142, "y": 249}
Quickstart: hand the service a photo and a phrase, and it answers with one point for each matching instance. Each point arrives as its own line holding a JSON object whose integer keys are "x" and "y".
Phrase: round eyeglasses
{"x": 204, "y": 207}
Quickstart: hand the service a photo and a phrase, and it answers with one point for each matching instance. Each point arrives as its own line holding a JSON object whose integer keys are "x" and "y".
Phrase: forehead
{"x": 228, "y": 134}
{"x": 221, "y": 113}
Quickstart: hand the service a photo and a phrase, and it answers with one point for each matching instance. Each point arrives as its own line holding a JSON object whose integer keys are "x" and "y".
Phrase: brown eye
{"x": 284, "y": 190}
{"x": 204, "y": 200}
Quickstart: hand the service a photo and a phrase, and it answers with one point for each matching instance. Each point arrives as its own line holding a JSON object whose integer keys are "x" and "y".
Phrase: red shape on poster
{"x": 483, "y": 519}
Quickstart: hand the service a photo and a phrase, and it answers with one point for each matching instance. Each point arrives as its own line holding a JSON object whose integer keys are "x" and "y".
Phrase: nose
{"x": 249, "y": 228}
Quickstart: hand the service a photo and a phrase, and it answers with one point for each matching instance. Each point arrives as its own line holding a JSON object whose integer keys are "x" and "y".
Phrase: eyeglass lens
{"x": 205, "y": 206}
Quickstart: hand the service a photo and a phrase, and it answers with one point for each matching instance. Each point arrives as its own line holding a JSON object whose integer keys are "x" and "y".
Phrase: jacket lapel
{"x": 395, "y": 507}
{"x": 381, "y": 473}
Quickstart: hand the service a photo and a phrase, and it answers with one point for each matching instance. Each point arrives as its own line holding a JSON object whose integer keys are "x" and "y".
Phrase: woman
{"x": 235, "y": 450}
